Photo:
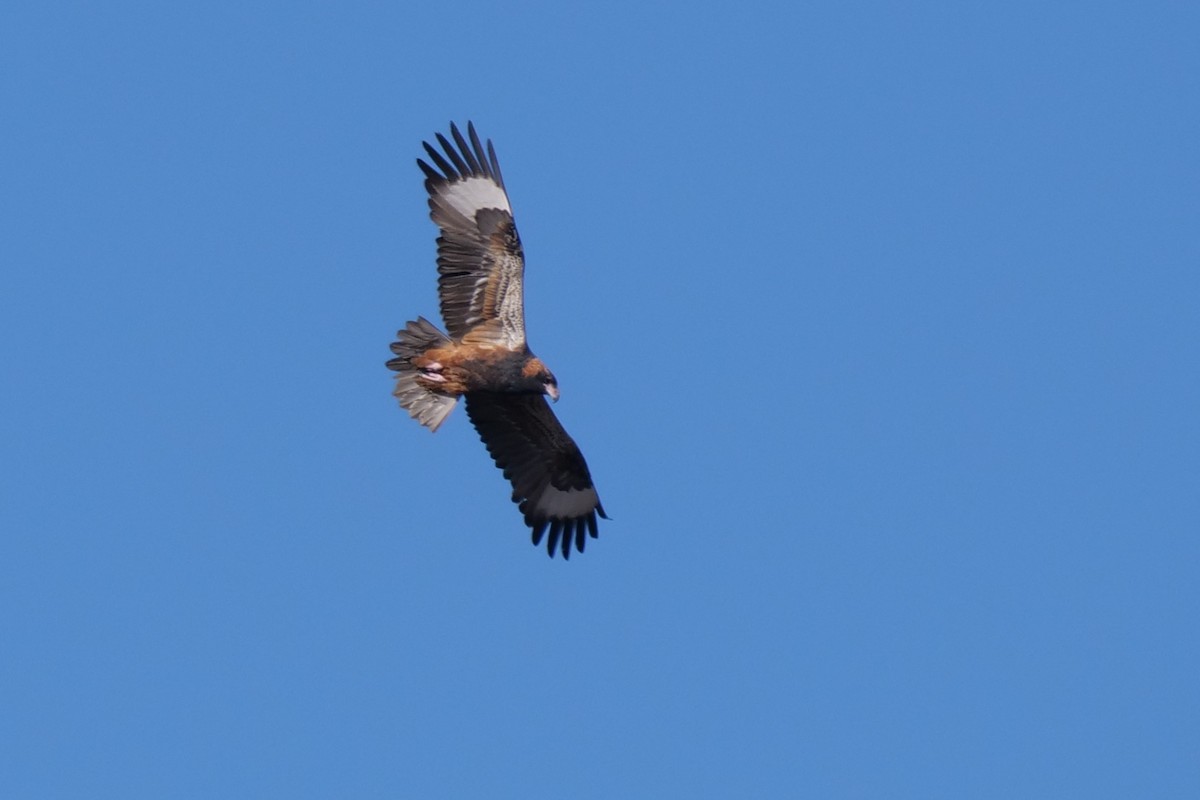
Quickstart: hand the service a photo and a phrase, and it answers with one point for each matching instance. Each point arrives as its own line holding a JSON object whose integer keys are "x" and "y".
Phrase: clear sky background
{"x": 879, "y": 325}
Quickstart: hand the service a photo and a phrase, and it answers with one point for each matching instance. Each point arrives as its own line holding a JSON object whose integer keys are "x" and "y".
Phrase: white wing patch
{"x": 469, "y": 195}
{"x": 560, "y": 504}
{"x": 479, "y": 288}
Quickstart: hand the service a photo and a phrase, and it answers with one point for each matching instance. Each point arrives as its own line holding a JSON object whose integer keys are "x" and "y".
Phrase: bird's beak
{"x": 553, "y": 392}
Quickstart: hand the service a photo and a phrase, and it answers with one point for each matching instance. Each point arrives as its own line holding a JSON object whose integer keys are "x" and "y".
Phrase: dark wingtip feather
{"x": 556, "y": 529}
{"x": 430, "y": 173}
{"x": 496, "y": 175}
{"x": 449, "y": 172}
{"x": 480, "y": 156}
{"x": 539, "y": 528}
{"x": 566, "y": 539}
{"x": 465, "y": 150}
{"x": 564, "y": 534}
{"x": 453, "y": 155}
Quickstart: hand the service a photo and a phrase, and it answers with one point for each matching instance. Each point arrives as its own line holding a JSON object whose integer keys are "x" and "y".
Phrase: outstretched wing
{"x": 550, "y": 479}
{"x": 480, "y": 263}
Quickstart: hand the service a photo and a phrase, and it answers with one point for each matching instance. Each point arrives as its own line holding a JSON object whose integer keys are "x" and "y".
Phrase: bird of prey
{"x": 485, "y": 358}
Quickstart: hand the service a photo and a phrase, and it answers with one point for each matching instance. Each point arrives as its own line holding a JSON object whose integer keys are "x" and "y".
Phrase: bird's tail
{"x": 427, "y": 407}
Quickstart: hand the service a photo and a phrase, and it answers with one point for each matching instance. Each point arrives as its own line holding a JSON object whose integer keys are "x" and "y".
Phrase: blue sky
{"x": 877, "y": 323}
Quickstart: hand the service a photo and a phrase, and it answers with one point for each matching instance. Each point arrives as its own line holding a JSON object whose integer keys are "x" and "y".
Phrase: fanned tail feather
{"x": 427, "y": 407}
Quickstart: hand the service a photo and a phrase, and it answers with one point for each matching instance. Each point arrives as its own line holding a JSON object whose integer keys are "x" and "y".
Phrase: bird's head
{"x": 540, "y": 378}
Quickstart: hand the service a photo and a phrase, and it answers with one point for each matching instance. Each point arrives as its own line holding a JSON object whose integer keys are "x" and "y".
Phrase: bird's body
{"x": 456, "y": 368}
{"x": 484, "y": 358}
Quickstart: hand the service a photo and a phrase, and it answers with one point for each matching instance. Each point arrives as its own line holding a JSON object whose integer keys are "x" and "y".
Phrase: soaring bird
{"x": 485, "y": 358}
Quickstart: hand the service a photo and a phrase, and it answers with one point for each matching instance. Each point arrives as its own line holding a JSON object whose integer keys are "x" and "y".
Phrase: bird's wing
{"x": 550, "y": 479}
{"x": 480, "y": 263}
